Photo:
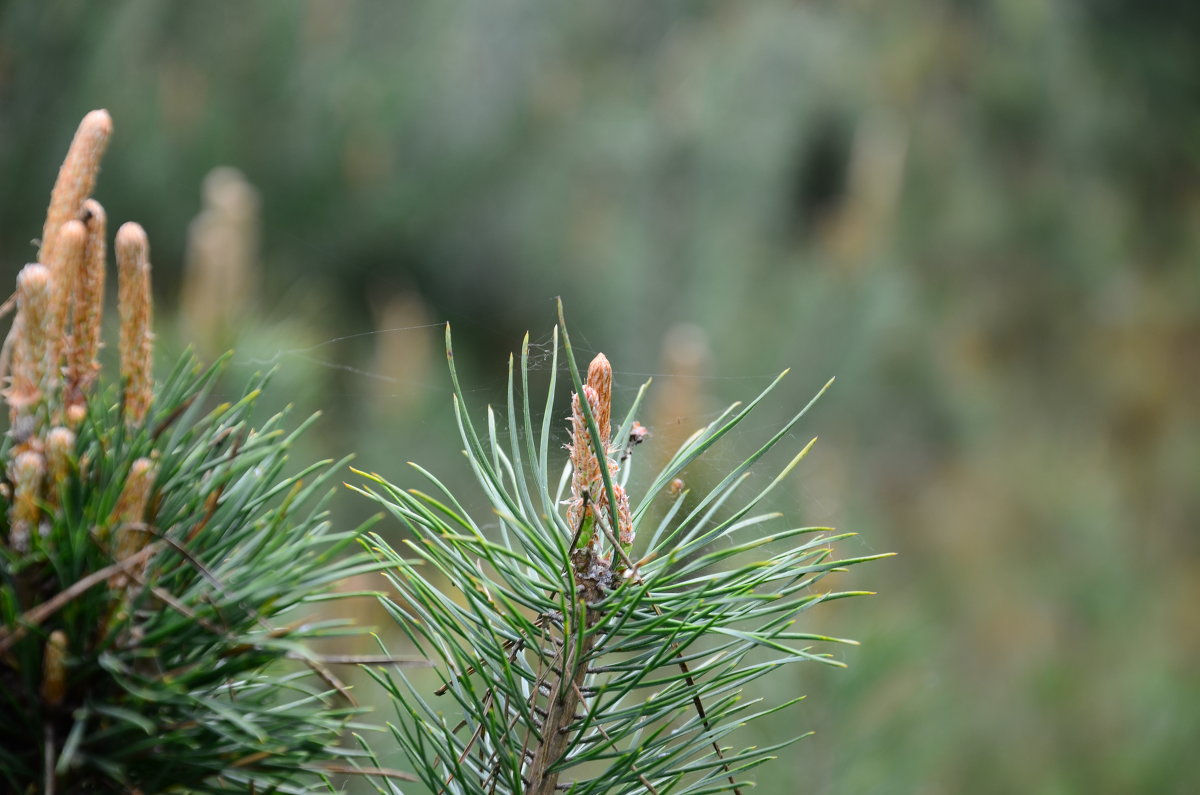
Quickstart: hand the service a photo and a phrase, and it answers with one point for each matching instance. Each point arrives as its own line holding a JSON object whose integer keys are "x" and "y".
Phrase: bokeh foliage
{"x": 980, "y": 216}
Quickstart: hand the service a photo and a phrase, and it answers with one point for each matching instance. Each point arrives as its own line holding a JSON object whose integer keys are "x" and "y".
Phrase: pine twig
{"x": 36, "y": 615}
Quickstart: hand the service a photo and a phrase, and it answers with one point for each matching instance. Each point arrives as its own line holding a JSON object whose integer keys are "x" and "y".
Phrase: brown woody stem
{"x": 560, "y": 713}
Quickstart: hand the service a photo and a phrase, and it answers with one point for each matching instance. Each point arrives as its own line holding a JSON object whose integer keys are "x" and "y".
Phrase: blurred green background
{"x": 982, "y": 216}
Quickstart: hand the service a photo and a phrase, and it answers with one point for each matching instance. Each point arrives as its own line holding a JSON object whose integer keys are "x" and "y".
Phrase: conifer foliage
{"x": 587, "y": 640}
{"x": 155, "y": 556}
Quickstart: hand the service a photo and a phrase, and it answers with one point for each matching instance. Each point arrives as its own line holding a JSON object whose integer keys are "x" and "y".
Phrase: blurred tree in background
{"x": 982, "y": 216}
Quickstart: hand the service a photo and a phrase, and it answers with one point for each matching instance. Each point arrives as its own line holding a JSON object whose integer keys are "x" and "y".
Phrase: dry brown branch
{"x": 36, "y": 615}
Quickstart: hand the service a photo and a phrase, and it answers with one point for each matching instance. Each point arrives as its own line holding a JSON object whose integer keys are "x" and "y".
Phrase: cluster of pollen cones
{"x": 49, "y": 358}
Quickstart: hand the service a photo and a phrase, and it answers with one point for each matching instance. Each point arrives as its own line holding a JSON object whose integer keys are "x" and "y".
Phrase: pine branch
{"x": 568, "y": 655}
{"x": 154, "y": 551}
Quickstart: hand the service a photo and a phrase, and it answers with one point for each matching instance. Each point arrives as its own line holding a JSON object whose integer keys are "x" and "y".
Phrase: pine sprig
{"x": 158, "y": 558}
{"x": 602, "y": 648}
{"x": 177, "y": 667}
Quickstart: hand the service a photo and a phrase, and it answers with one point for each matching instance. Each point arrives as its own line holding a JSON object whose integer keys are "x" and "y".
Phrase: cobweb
{"x": 346, "y": 356}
